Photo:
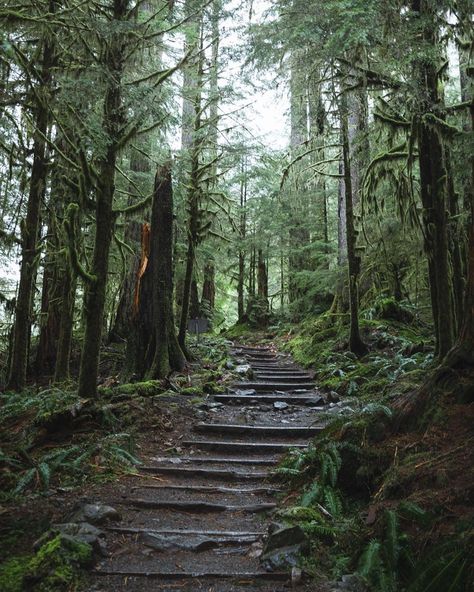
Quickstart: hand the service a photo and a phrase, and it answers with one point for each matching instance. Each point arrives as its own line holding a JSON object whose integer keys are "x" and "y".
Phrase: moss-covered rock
{"x": 56, "y": 567}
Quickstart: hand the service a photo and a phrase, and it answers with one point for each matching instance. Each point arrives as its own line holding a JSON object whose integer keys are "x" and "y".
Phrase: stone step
{"x": 268, "y": 377}
{"x": 195, "y": 506}
{"x": 247, "y": 348}
{"x": 163, "y": 576}
{"x": 273, "y": 385}
{"x": 242, "y": 446}
{"x": 186, "y": 532}
{"x": 279, "y": 370}
{"x": 210, "y": 489}
{"x": 310, "y": 399}
{"x": 183, "y": 460}
{"x": 257, "y": 430}
{"x": 218, "y": 474}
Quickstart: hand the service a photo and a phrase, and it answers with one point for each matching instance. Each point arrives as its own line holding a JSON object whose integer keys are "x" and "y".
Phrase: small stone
{"x": 296, "y": 576}
{"x": 333, "y": 397}
{"x": 245, "y": 392}
{"x": 243, "y": 370}
{"x": 95, "y": 514}
{"x": 280, "y": 405}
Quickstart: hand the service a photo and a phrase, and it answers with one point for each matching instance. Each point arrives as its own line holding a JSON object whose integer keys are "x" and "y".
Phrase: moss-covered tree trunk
{"x": 356, "y": 344}
{"x": 30, "y": 226}
{"x": 208, "y": 298}
{"x": 434, "y": 184}
{"x": 152, "y": 346}
{"x": 140, "y": 170}
{"x": 104, "y": 216}
{"x": 66, "y": 322}
{"x": 168, "y": 354}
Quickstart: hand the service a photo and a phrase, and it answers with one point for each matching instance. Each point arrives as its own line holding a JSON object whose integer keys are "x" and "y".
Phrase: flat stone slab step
{"x": 185, "y": 532}
{"x": 271, "y": 398}
{"x": 279, "y": 370}
{"x": 260, "y": 430}
{"x": 225, "y": 474}
{"x": 210, "y": 575}
{"x": 242, "y": 446}
{"x": 225, "y": 460}
{"x": 210, "y": 489}
{"x": 274, "y": 386}
{"x": 191, "y": 506}
{"x": 284, "y": 377}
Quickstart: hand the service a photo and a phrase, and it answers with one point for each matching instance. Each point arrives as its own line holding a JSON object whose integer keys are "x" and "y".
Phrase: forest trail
{"x": 197, "y": 524}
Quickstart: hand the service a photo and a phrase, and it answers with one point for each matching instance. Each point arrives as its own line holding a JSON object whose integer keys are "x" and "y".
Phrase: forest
{"x": 236, "y": 295}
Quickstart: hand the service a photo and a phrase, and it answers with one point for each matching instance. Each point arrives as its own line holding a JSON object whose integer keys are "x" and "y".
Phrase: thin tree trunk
{"x": 31, "y": 224}
{"x": 104, "y": 216}
{"x": 356, "y": 344}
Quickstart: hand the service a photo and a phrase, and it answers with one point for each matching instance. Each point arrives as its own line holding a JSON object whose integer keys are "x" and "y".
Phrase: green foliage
{"x": 447, "y": 567}
{"x": 54, "y": 568}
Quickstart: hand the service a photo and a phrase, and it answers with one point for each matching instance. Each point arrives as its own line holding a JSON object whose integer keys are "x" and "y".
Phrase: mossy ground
{"x": 406, "y": 498}
{"x": 65, "y": 447}
{"x": 55, "y": 567}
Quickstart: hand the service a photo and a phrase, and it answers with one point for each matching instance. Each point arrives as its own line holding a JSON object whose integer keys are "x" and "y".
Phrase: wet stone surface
{"x": 197, "y": 515}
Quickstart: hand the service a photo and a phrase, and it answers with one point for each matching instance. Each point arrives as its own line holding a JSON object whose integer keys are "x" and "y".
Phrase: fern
{"x": 412, "y": 511}
{"x": 392, "y": 545}
{"x": 44, "y": 473}
{"x": 446, "y": 568}
{"x": 312, "y": 495}
{"x": 319, "y": 530}
{"x": 24, "y": 481}
{"x": 370, "y": 560}
{"x": 333, "y": 502}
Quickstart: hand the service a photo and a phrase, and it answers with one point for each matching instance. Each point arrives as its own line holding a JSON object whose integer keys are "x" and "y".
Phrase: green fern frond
{"x": 370, "y": 559}
{"x": 312, "y": 495}
{"x": 392, "y": 545}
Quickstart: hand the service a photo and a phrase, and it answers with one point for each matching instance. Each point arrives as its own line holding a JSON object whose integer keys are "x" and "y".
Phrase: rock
{"x": 230, "y": 365}
{"x": 164, "y": 543}
{"x": 280, "y": 405}
{"x": 81, "y": 532}
{"x": 333, "y": 397}
{"x": 95, "y": 514}
{"x": 282, "y": 535}
{"x": 244, "y": 370}
{"x": 282, "y": 558}
{"x": 210, "y": 405}
{"x": 245, "y": 392}
{"x": 353, "y": 583}
{"x": 296, "y": 576}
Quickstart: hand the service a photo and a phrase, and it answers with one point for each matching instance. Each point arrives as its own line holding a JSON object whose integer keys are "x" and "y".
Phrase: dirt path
{"x": 195, "y": 521}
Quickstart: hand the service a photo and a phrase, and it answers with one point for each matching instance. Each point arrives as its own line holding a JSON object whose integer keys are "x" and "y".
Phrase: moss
{"x": 213, "y": 388}
{"x": 195, "y": 391}
{"x": 143, "y": 389}
{"x": 54, "y": 568}
{"x": 12, "y": 572}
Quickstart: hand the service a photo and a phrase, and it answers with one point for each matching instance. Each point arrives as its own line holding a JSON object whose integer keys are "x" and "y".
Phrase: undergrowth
{"x": 359, "y": 491}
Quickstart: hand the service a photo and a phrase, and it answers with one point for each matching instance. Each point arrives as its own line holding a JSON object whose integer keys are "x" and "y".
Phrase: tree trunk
{"x": 433, "y": 184}
{"x": 356, "y": 344}
{"x": 104, "y": 216}
{"x": 168, "y": 354}
{"x": 242, "y": 235}
{"x": 208, "y": 299}
{"x": 31, "y": 225}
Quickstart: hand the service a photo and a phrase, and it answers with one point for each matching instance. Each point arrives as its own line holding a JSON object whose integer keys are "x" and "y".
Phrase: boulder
{"x": 95, "y": 514}
{"x": 284, "y": 547}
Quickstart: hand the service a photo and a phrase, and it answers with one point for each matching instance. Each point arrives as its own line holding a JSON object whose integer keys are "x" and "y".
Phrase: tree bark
{"x": 104, "y": 217}
{"x": 31, "y": 225}
{"x": 356, "y": 344}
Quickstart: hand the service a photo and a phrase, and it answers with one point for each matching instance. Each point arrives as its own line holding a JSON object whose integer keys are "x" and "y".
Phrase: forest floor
{"x": 364, "y": 499}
